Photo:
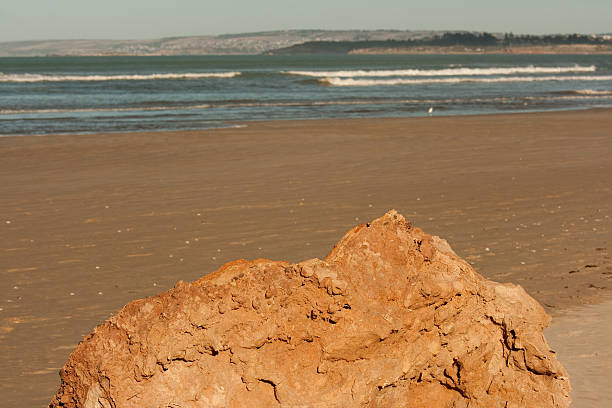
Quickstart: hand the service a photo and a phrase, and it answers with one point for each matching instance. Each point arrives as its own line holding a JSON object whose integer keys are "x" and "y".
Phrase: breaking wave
{"x": 334, "y": 81}
{"x": 443, "y": 72}
{"x": 592, "y": 92}
{"x": 99, "y": 78}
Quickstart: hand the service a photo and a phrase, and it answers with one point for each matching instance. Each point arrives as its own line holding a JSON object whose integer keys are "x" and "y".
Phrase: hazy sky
{"x": 140, "y": 19}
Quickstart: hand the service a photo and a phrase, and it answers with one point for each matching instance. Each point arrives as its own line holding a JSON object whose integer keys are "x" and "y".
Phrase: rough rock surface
{"x": 391, "y": 318}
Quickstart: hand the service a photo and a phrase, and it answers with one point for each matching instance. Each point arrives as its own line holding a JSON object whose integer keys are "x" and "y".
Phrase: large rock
{"x": 391, "y": 318}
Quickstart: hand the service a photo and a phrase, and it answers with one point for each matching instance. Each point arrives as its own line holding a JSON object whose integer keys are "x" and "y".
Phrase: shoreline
{"x": 245, "y": 123}
{"x": 95, "y": 221}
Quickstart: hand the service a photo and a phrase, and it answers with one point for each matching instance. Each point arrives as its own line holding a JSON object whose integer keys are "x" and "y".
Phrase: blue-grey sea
{"x": 51, "y": 95}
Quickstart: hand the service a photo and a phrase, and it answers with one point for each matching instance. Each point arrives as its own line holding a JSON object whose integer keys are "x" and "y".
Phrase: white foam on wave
{"x": 99, "y": 78}
{"x": 455, "y": 80}
{"x": 444, "y": 72}
{"x": 592, "y": 92}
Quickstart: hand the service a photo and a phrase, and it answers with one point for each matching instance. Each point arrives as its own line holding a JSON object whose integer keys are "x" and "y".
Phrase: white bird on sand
{"x": 430, "y": 111}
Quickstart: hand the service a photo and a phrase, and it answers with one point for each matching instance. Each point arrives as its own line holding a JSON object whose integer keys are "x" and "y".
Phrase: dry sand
{"x": 90, "y": 222}
{"x": 581, "y": 338}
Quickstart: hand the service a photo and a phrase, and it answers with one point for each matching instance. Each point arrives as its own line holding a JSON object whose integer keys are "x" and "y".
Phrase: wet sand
{"x": 90, "y": 222}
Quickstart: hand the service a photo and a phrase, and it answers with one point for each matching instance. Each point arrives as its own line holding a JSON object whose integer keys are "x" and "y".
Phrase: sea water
{"x": 51, "y": 95}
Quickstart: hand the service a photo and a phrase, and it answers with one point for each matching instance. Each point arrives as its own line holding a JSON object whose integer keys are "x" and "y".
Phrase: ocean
{"x": 56, "y": 95}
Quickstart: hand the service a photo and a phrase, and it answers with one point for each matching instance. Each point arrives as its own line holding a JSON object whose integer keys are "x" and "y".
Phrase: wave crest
{"x": 100, "y": 78}
{"x": 594, "y": 92}
{"x": 456, "y": 80}
{"x": 443, "y": 72}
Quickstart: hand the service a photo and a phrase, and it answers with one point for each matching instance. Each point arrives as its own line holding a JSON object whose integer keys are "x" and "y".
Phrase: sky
{"x": 148, "y": 19}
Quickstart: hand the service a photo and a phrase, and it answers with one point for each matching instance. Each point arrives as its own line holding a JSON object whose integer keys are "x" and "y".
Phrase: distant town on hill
{"x": 317, "y": 41}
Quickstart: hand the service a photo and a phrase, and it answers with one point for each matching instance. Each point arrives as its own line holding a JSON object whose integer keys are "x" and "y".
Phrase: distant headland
{"x": 289, "y": 42}
{"x": 463, "y": 43}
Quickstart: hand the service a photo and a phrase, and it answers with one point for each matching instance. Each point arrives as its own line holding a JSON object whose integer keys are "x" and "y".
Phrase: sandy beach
{"x": 581, "y": 338}
{"x": 90, "y": 222}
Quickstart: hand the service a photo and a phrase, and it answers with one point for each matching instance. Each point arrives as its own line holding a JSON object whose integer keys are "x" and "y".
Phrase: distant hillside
{"x": 248, "y": 43}
{"x": 457, "y": 42}
{"x": 309, "y": 42}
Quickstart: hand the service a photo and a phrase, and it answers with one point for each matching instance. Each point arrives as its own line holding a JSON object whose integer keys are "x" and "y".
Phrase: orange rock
{"x": 391, "y": 318}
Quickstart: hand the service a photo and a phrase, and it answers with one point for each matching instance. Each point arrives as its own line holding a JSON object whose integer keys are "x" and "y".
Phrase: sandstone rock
{"x": 391, "y": 318}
